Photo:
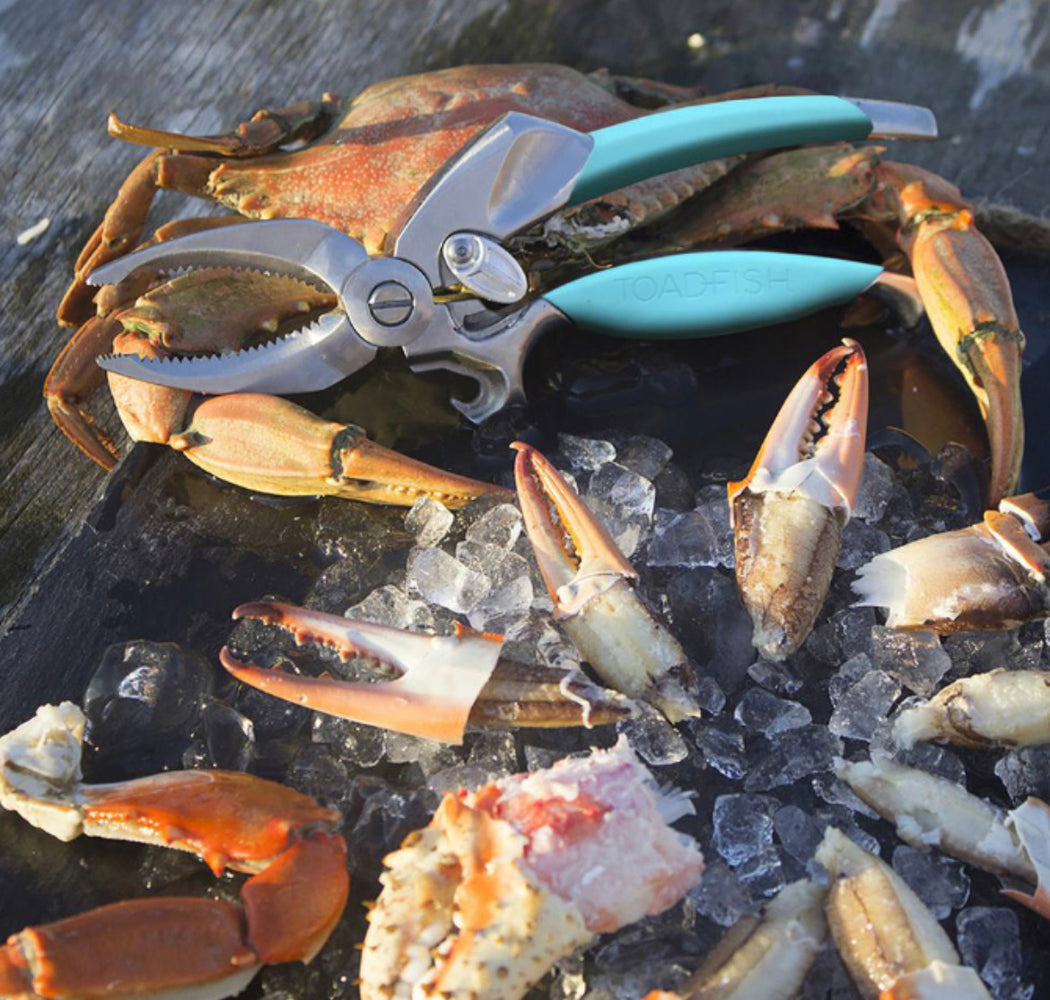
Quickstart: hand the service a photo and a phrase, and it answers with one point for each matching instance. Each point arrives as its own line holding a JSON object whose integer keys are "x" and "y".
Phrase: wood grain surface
{"x": 201, "y": 66}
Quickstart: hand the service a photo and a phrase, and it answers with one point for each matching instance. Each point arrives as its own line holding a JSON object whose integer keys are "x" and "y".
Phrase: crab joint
{"x": 789, "y": 511}
{"x": 441, "y": 683}
{"x": 892, "y": 945}
{"x": 1003, "y": 708}
{"x": 591, "y": 584}
{"x": 200, "y": 948}
{"x": 990, "y": 575}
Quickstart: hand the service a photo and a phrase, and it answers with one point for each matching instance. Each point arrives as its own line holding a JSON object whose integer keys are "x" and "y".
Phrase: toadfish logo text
{"x": 696, "y": 284}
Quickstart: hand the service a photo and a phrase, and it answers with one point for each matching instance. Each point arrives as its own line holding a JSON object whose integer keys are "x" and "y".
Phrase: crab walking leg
{"x": 990, "y": 575}
{"x": 789, "y": 511}
{"x": 1003, "y": 708}
{"x": 892, "y": 946}
{"x": 268, "y": 444}
{"x": 591, "y": 585}
{"x": 197, "y": 949}
{"x": 762, "y": 959}
{"x": 510, "y": 878}
{"x": 443, "y": 682}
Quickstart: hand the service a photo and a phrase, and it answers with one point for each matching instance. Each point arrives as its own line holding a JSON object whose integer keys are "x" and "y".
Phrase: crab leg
{"x": 893, "y": 947}
{"x": 1003, "y": 708}
{"x": 987, "y": 576}
{"x": 510, "y": 878}
{"x": 789, "y": 511}
{"x": 268, "y": 444}
{"x": 930, "y": 811}
{"x": 767, "y": 957}
{"x": 171, "y": 947}
{"x": 591, "y": 585}
{"x": 443, "y": 682}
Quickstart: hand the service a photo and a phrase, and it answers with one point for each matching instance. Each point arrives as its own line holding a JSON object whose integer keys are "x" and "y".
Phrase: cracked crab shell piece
{"x": 1030, "y": 822}
{"x": 765, "y": 958}
{"x": 884, "y": 933}
{"x": 789, "y": 511}
{"x": 987, "y": 576}
{"x": 591, "y": 584}
{"x": 508, "y": 879}
{"x": 932, "y": 812}
{"x": 1003, "y": 708}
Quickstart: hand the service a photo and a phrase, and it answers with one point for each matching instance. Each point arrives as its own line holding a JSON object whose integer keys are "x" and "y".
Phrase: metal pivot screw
{"x": 463, "y": 250}
{"x": 390, "y": 303}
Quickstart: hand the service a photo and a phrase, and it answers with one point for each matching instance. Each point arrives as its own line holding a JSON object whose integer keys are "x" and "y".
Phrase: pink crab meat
{"x": 584, "y": 820}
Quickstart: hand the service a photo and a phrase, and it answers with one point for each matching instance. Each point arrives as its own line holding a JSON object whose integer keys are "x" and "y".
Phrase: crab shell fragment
{"x": 177, "y": 948}
{"x": 789, "y": 511}
{"x": 892, "y": 945}
{"x": 508, "y": 879}
{"x": 990, "y": 575}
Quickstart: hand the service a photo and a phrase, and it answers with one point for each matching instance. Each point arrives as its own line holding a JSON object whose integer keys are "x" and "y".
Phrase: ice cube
{"x": 647, "y": 456}
{"x": 441, "y": 579}
{"x": 743, "y": 826}
{"x": 845, "y": 633}
{"x": 228, "y": 736}
{"x": 861, "y": 543}
{"x": 390, "y": 605}
{"x": 721, "y": 745}
{"x": 499, "y": 526}
{"x": 428, "y": 521}
{"x": 798, "y": 831}
{"x": 1025, "y": 772}
{"x": 653, "y": 738}
{"x": 782, "y": 677}
{"x": 318, "y": 772}
{"x": 915, "y": 657}
{"x": 585, "y": 454}
{"x": 989, "y": 941}
{"x": 631, "y": 496}
{"x": 860, "y": 702}
{"x": 877, "y": 487}
{"x": 793, "y": 755}
{"x": 691, "y": 538}
{"x": 720, "y": 896}
{"x": 939, "y": 881}
{"x": 763, "y": 873}
{"x": 360, "y": 746}
{"x": 768, "y": 714}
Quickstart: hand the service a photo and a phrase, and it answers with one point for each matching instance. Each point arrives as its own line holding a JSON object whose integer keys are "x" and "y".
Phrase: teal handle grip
{"x": 707, "y": 294}
{"x": 680, "y": 137}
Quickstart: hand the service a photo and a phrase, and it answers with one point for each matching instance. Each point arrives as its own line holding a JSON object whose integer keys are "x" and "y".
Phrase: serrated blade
{"x": 309, "y": 359}
{"x": 300, "y": 247}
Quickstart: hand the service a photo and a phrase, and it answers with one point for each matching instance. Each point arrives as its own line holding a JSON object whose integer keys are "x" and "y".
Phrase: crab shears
{"x": 450, "y": 295}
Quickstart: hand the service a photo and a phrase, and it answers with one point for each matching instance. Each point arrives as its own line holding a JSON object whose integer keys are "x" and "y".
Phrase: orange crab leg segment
{"x": 440, "y": 677}
{"x": 591, "y": 584}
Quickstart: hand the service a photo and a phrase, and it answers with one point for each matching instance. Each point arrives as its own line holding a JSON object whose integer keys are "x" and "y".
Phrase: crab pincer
{"x": 510, "y": 878}
{"x": 201, "y": 949}
{"x": 592, "y": 586}
{"x": 789, "y": 511}
{"x": 441, "y": 683}
{"x": 991, "y": 575}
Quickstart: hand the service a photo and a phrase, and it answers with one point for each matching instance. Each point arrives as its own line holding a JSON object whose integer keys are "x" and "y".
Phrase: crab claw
{"x": 1030, "y": 822}
{"x": 442, "y": 682}
{"x": 510, "y": 878}
{"x": 991, "y": 575}
{"x": 789, "y": 511}
{"x": 270, "y": 445}
{"x": 173, "y": 946}
{"x": 591, "y": 585}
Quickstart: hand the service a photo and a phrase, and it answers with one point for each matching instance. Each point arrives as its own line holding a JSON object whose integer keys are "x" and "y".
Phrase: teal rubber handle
{"x": 652, "y": 145}
{"x": 707, "y": 294}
